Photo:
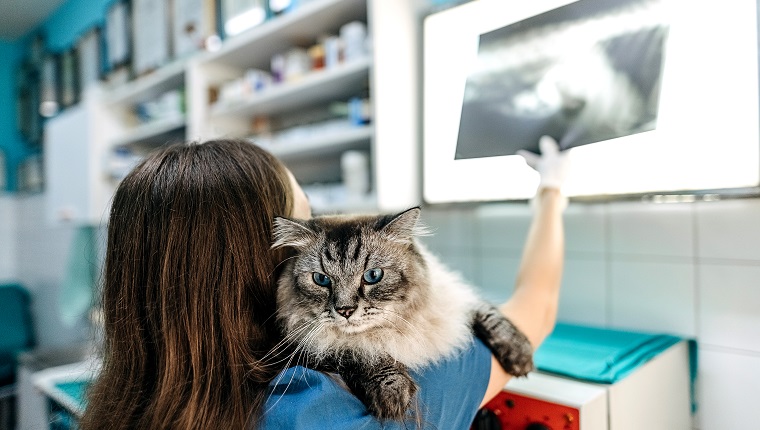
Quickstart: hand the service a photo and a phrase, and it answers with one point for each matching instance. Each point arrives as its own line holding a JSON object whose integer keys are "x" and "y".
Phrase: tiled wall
{"x": 689, "y": 269}
{"x": 42, "y": 256}
{"x": 7, "y": 239}
{"x": 692, "y": 269}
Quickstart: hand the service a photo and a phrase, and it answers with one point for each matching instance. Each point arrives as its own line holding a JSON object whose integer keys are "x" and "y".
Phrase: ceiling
{"x": 17, "y": 17}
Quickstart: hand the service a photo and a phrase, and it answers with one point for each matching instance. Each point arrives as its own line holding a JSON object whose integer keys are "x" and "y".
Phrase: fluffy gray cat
{"x": 361, "y": 297}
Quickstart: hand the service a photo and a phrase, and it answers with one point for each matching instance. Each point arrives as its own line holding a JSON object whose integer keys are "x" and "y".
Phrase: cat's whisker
{"x": 304, "y": 378}
{"x": 296, "y": 303}
{"x": 292, "y": 376}
{"x": 281, "y": 375}
{"x": 326, "y": 287}
{"x": 280, "y": 264}
{"x": 312, "y": 335}
{"x": 276, "y": 363}
{"x": 286, "y": 339}
{"x": 274, "y": 314}
{"x": 301, "y": 347}
{"x": 303, "y": 342}
{"x": 281, "y": 395}
{"x": 401, "y": 318}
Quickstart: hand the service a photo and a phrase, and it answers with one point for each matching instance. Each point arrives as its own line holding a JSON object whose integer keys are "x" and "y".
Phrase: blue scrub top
{"x": 450, "y": 393}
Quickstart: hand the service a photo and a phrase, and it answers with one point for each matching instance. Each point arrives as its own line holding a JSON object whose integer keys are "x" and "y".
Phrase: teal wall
{"x": 61, "y": 29}
{"x": 11, "y": 142}
{"x": 71, "y": 20}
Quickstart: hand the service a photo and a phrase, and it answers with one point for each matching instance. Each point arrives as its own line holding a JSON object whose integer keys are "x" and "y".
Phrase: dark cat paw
{"x": 391, "y": 397}
{"x": 516, "y": 358}
{"x": 508, "y": 344}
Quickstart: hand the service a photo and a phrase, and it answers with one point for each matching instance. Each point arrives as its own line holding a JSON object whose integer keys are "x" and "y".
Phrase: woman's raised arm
{"x": 533, "y": 305}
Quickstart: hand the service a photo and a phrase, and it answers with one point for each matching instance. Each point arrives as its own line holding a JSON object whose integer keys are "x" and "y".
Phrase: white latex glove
{"x": 552, "y": 165}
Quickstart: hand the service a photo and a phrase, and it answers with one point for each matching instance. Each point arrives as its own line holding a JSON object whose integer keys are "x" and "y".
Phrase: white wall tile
{"x": 453, "y": 229}
{"x": 503, "y": 226}
{"x": 42, "y": 259}
{"x": 629, "y": 265}
{"x": 583, "y": 297}
{"x": 652, "y": 283}
{"x": 7, "y": 257}
{"x": 652, "y": 229}
{"x": 653, "y": 296}
{"x": 7, "y": 211}
{"x": 8, "y": 241}
{"x": 463, "y": 229}
{"x": 585, "y": 228}
{"x": 30, "y": 212}
{"x": 728, "y": 390}
{"x": 498, "y": 274}
{"x": 437, "y": 221}
{"x": 729, "y": 306}
{"x": 729, "y": 229}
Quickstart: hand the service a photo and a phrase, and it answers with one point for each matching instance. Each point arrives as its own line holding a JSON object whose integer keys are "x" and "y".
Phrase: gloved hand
{"x": 552, "y": 164}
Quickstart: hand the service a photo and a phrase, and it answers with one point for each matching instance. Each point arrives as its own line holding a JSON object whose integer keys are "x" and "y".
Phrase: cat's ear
{"x": 404, "y": 226}
{"x": 293, "y": 233}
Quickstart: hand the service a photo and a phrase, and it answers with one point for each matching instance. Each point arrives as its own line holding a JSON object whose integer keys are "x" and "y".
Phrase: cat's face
{"x": 350, "y": 274}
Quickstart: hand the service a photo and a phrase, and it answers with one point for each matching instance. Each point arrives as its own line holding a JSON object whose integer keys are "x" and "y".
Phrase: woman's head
{"x": 189, "y": 283}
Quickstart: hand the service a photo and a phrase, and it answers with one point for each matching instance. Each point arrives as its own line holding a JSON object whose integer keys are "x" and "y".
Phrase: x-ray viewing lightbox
{"x": 654, "y": 96}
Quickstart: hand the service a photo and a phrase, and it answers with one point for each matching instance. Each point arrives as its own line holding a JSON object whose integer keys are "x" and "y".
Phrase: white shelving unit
{"x": 303, "y": 25}
{"x": 147, "y": 87}
{"x": 315, "y": 87}
{"x": 324, "y": 144}
{"x": 119, "y": 105}
{"x": 157, "y": 131}
{"x": 75, "y": 149}
{"x": 390, "y": 74}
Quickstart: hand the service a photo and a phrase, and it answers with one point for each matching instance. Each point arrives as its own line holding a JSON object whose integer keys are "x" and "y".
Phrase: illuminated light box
{"x": 654, "y": 96}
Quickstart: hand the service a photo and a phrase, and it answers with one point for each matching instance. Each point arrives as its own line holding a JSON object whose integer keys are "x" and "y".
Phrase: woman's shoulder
{"x": 301, "y": 398}
{"x": 450, "y": 393}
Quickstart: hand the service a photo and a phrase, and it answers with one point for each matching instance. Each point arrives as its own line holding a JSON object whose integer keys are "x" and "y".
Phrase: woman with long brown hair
{"x": 189, "y": 295}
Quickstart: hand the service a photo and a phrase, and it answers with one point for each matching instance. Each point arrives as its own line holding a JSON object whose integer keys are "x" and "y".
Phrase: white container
{"x": 354, "y": 37}
{"x": 331, "y": 45}
{"x": 297, "y": 64}
{"x": 277, "y": 67}
{"x": 355, "y": 173}
{"x": 257, "y": 80}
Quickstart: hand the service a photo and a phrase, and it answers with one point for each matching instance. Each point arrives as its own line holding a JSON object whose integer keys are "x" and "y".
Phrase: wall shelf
{"x": 317, "y": 87}
{"x": 148, "y": 87}
{"x": 387, "y": 78}
{"x": 256, "y": 46}
{"x": 156, "y": 131}
{"x": 322, "y": 144}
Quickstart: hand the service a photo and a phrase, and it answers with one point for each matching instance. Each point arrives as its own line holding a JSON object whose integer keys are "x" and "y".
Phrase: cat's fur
{"x": 371, "y": 333}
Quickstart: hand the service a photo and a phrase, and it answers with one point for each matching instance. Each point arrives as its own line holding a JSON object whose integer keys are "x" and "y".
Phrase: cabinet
{"x": 77, "y": 191}
{"x": 388, "y": 77}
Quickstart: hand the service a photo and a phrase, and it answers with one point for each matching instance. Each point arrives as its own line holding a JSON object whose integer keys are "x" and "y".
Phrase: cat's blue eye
{"x": 321, "y": 279}
{"x": 373, "y": 276}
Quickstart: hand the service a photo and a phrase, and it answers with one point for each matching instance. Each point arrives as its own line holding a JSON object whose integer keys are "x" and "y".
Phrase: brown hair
{"x": 188, "y": 293}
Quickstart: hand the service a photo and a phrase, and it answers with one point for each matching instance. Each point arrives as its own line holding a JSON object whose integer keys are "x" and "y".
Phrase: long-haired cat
{"x": 363, "y": 298}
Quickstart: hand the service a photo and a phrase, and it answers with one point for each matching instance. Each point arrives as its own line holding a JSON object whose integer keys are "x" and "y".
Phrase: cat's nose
{"x": 346, "y": 311}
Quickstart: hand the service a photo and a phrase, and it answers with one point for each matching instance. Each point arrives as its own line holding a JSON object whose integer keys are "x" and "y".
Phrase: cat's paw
{"x": 516, "y": 358}
{"x": 507, "y": 343}
{"x": 392, "y": 397}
